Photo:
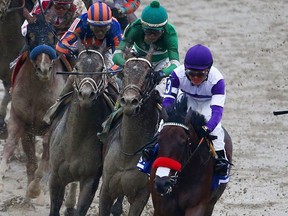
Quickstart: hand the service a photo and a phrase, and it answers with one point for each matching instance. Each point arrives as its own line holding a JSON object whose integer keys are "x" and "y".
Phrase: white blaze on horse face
{"x": 162, "y": 171}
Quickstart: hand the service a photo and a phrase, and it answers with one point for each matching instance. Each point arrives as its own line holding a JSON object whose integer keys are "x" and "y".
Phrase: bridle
{"x": 145, "y": 94}
{"x": 97, "y": 87}
{"x": 174, "y": 177}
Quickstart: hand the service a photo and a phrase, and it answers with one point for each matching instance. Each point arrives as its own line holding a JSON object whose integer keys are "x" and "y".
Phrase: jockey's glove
{"x": 204, "y": 131}
{"x": 158, "y": 76}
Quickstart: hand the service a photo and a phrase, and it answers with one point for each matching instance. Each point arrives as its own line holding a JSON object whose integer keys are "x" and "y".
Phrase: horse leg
{"x": 105, "y": 201}
{"x": 15, "y": 131}
{"x": 28, "y": 144}
{"x": 70, "y": 199}
{"x": 34, "y": 188}
{"x": 139, "y": 203}
{"x": 3, "y": 109}
{"x": 117, "y": 208}
{"x": 87, "y": 193}
{"x": 57, "y": 191}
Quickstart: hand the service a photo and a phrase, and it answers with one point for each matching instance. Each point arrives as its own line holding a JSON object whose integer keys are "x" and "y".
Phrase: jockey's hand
{"x": 204, "y": 131}
{"x": 158, "y": 76}
{"x": 117, "y": 12}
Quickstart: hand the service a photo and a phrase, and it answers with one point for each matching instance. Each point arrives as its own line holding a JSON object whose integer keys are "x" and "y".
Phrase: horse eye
{"x": 75, "y": 68}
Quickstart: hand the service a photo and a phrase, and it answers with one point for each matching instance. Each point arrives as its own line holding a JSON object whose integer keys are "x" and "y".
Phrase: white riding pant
{"x": 203, "y": 107}
{"x": 160, "y": 66}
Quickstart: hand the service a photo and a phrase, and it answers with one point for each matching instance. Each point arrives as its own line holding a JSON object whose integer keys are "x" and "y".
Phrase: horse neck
{"x": 86, "y": 121}
{"x": 137, "y": 130}
{"x": 200, "y": 161}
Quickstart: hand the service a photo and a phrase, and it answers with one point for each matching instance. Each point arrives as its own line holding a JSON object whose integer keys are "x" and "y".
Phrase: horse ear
{"x": 150, "y": 52}
{"x": 127, "y": 53}
{"x": 30, "y": 19}
{"x": 188, "y": 116}
{"x": 164, "y": 114}
{"x": 80, "y": 46}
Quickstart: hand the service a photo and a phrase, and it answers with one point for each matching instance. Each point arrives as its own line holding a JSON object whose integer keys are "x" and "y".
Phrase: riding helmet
{"x": 99, "y": 14}
{"x": 198, "y": 57}
{"x": 154, "y": 16}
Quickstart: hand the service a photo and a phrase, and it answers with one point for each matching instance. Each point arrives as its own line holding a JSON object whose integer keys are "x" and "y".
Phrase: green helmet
{"x": 154, "y": 16}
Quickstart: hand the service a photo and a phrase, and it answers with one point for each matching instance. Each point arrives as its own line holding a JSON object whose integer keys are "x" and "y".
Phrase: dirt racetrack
{"x": 249, "y": 41}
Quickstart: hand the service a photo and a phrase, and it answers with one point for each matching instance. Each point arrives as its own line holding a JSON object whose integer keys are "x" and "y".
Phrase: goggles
{"x": 196, "y": 73}
{"x": 60, "y": 5}
{"x": 149, "y": 31}
{"x": 103, "y": 28}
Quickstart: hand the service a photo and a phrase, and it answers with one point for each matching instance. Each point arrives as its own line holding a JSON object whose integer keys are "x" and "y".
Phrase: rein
{"x": 186, "y": 128}
{"x": 147, "y": 92}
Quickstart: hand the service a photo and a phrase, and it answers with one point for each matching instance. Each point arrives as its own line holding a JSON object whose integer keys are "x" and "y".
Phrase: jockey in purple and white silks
{"x": 204, "y": 87}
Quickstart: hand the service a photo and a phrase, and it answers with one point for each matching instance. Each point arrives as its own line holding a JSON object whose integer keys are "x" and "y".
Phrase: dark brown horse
{"x": 75, "y": 149}
{"x": 182, "y": 174}
{"x": 121, "y": 177}
{"x": 36, "y": 87}
{"x": 11, "y": 42}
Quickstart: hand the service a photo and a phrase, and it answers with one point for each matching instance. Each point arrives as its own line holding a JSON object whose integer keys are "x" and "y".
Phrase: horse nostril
{"x": 122, "y": 102}
{"x": 135, "y": 102}
{"x": 92, "y": 95}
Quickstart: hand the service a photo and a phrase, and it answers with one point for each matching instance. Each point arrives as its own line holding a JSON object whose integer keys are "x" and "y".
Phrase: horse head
{"x": 179, "y": 145}
{"x": 40, "y": 40}
{"x": 91, "y": 79}
{"x": 137, "y": 83}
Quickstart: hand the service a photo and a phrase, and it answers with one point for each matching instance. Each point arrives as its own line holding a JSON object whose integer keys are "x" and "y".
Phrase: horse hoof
{"x": 1, "y": 187}
{"x": 33, "y": 191}
{"x": 70, "y": 212}
{"x": 3, "y": 131}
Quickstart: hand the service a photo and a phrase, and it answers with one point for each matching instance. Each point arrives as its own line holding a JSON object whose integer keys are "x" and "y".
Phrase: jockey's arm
{"x": 69, "y": 38}
{"x": 36, "y": 10}
{"x": 118, "y": 56}
{"x": 171, "y": 42}
{"x": 171, "y": 91}
{"x": 217, "y": 104}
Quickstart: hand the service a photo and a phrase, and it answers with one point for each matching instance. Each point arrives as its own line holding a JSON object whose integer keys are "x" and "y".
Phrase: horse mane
{"x": 178, "y": 113}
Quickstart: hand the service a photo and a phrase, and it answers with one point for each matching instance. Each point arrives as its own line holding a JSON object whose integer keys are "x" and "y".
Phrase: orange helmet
{"x": 99, "y": 14}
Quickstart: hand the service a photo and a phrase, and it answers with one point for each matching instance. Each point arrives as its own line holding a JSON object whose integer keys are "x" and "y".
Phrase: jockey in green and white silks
{"x": 152, "y": 27}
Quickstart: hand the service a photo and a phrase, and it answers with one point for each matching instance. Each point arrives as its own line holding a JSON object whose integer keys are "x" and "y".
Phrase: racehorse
{"x": 35, "y": 88}
{"x": 138, "y": 101}
{"x": 181, "y": 176}
{"x": 75, "y": 149}
{"x": 11, "y": 42}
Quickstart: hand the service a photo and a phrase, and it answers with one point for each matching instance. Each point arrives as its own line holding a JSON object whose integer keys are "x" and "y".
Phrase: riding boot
{"x": 147, "y": 152}
{"x": 222, "y": 164}
{"x": 108, "y": 123}
{"x": 149, "y": 155}
{"x": 63, "y": 99}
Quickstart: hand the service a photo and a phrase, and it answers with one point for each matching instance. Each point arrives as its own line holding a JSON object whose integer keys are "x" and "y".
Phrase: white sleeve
{"x": 24, "y": 28}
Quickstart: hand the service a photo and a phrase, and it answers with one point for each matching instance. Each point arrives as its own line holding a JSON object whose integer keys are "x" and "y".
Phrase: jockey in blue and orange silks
{"x": 95, "y": 28}
{"x": 123, "y": 10}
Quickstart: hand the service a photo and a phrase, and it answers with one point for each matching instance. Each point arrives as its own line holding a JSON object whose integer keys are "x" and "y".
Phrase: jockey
{"x": 204, "y": 86}
{"x": 152, "y": 28}
{"x": 123, "y": 10}
{"x": 96, "y": 28}
{"x": 61, "y": 13}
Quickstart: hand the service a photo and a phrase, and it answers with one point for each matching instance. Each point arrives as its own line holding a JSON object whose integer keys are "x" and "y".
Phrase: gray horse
{"x": 75, "y": 150}
{"x": 138, "y": 101}
{"x": 11, "y": 42}
{"x": 36, "y": 87}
